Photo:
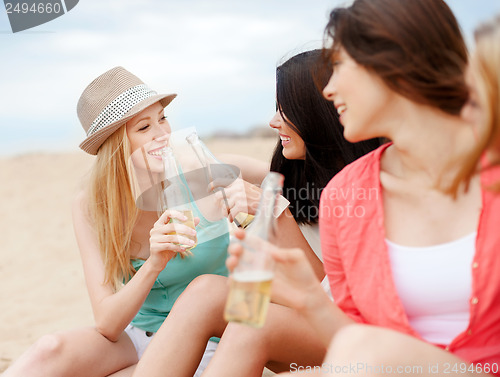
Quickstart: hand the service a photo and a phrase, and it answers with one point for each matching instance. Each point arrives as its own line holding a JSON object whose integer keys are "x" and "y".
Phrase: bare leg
{"x": 83, "y": 352}
{"x": 362, "y": 350}
{"x": 178, "y": 346}
{"x": 285, "y": 340}
{"x": 127, "y": 372}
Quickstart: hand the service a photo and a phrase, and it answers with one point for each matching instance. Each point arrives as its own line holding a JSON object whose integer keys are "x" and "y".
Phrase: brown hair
{"x": 415, "y": 46}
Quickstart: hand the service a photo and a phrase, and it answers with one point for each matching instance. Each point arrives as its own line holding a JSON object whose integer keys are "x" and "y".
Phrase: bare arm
{"x": 290, "y": 235}
{"x": 252, "y": 170}
{"x": 295, "y": 285}
{"x": 112, "y": 310}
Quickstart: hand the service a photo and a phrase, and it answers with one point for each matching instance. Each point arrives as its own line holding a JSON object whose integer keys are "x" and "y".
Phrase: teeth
{"x": 341, "y": 109}
{"x": 158, "y": 152}
{"x": 284, "y": 138}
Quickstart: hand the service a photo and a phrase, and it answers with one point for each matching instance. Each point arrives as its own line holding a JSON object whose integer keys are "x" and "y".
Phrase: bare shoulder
{"x": 80, "y": 210}
{"x": 80, "y": 202}
{"x": 80, "y": 197}
{"x": 83, "y": 226}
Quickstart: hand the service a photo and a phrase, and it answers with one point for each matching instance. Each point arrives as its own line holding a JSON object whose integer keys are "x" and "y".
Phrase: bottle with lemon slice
{"x": 175, "y": 195}
{"x": 213, "y": 168}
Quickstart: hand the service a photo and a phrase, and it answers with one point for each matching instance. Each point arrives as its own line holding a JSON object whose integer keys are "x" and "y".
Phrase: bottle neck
{"x": 169, "y": 164}
{"x": 264, "y": 223}
{"x": 175, "y": 193}
{"x": 212, "y": 167}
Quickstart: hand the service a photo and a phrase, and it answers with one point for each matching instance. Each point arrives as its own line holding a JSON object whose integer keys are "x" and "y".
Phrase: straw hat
{"x": 110, "y": 101}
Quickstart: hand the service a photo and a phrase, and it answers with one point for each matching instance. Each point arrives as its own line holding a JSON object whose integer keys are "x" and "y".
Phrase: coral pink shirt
{"x": 357, "y": 262}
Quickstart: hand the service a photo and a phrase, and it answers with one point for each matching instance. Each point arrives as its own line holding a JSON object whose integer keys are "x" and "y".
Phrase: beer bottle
{"x": 215, "y": 169}
{"x": 250, "y": 286}
{"x": 175, "y": 195}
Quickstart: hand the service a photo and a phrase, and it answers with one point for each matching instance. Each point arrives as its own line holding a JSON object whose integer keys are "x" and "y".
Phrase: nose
{"x": 276, "y": 120}
{"x": 329, "y": 91}
{"x": 162, "y": 132}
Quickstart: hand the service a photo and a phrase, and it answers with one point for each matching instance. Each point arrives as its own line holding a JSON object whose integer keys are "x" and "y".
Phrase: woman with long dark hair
{"x": 311, "y": 149}
{"x": 315, "y": 121}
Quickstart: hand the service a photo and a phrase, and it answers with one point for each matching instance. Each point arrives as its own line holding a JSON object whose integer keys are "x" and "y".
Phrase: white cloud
{"x": 219, "y": 55}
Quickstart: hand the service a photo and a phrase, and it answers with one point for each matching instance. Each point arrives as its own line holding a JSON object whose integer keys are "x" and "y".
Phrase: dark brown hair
{"x": 299, "y": 99}
{"x": 415, "y": 46}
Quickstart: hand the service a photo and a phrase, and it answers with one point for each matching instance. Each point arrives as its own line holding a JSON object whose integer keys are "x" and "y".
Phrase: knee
{"x": 356, "y": 342}
{"x": 207, "y": 287}
{"x": 204, "y": 292}
{"x": 45, "y": 351}
{"x": 207, "y": 283}
{"x": 48, "y": 347}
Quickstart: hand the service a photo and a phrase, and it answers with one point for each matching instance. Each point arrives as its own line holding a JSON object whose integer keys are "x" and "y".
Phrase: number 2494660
{"x": 23, "y": 8}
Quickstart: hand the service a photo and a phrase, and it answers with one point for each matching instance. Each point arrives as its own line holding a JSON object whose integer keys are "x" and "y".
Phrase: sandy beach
{"x": 42, "y": 286}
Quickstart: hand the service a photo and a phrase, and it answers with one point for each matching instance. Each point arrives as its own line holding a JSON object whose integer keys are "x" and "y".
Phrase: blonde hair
{"x": 112, "y": 207}
{"x": 486, "y": 64}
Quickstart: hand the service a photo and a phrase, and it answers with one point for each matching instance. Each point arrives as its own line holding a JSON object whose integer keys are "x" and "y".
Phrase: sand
{"x": 42, "y": 288}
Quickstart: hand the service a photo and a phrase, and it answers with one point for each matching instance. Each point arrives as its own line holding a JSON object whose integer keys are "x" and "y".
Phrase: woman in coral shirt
{"x": 411, "y": 262}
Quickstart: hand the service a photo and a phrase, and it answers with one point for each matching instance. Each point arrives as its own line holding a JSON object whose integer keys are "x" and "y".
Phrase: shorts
{"x": 141, "y": 339}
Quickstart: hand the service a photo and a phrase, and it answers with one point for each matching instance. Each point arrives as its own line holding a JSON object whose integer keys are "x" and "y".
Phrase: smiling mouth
{"x": 158, "y": 152}
{"x": 341, "y": 109}
{"x": 285, "y": 138}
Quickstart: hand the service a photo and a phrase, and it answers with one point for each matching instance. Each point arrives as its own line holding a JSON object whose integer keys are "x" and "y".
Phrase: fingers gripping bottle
{"x": 250, "y": 287}
{"x": 213, "y": 169}
{"x": 175, "y": 196}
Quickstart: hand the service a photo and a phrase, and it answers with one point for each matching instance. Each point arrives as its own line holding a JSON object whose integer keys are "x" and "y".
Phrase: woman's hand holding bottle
{"x": 294, "y": 284}
{"x": 168, "y": 238}
{"x": 239, "y": 196}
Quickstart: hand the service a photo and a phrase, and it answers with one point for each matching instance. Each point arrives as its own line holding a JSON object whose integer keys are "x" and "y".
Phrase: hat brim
{"x": 92, "y": 143}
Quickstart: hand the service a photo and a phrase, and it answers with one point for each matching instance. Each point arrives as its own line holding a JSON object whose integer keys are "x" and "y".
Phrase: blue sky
{"x": 218, "y": 55}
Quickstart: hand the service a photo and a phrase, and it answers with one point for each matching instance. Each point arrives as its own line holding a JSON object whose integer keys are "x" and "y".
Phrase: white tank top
{"x": 434, "y": 285}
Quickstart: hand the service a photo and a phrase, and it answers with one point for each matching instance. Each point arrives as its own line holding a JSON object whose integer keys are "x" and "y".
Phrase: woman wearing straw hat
{"x": 121, "y": 243}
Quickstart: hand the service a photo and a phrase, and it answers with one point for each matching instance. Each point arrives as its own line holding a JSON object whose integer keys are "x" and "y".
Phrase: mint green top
{"x": 209, "y": 257}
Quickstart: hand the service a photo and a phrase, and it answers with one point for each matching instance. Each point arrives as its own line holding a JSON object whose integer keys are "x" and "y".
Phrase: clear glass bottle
{"x": 175, "y": 195}
{"x": 250, "y": 287}
{"x": 215, "y": 169}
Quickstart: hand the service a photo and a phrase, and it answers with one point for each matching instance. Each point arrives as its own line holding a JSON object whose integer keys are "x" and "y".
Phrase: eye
{"x": 143, "y": 128}
{"x": 471, "y": 101}
{"x": 164, "y": 117}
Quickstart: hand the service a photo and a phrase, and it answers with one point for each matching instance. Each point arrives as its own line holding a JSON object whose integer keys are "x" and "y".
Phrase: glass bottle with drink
{"x": 175, "y": 196}
{"x": 215, "y": 169}
{"x": 250, "y": 287}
